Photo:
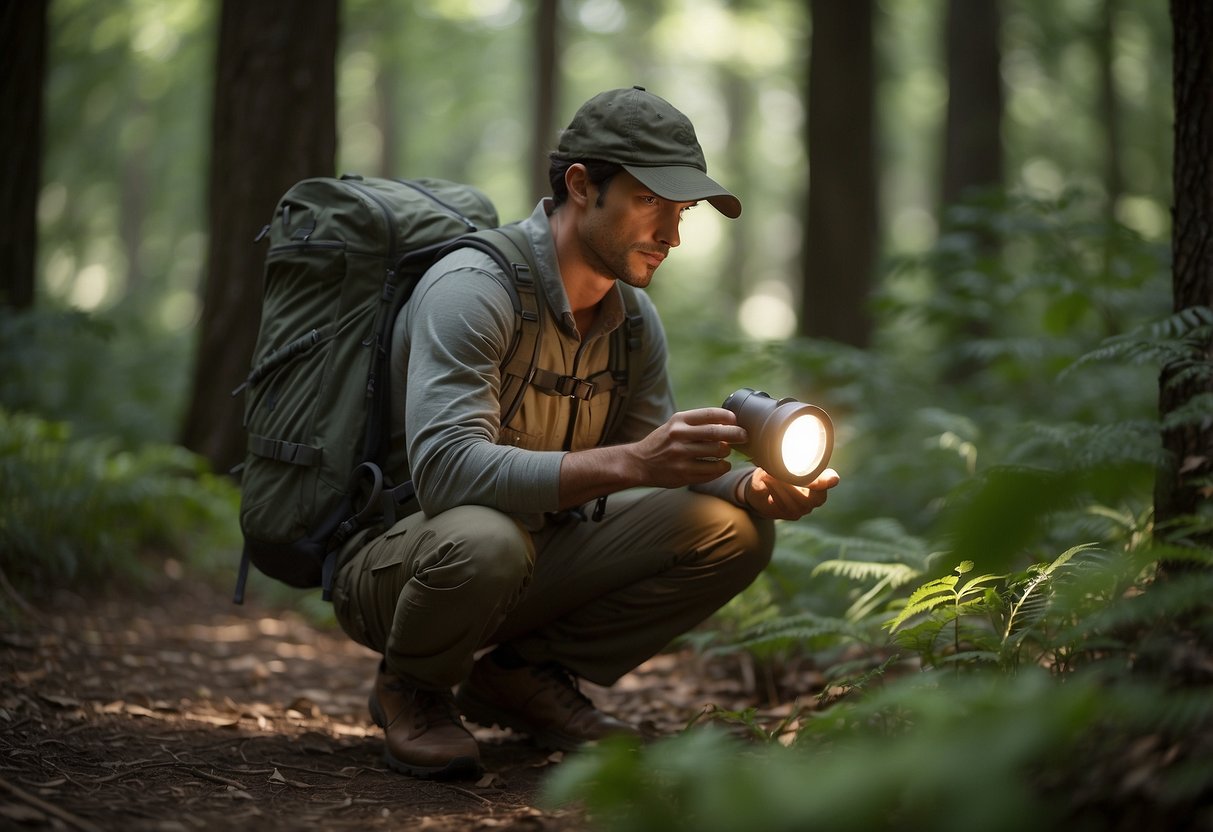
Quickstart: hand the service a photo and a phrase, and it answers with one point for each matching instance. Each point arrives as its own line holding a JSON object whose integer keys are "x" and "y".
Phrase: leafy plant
{"x": 82, "y": 511}
{"x": 947, "y": 601}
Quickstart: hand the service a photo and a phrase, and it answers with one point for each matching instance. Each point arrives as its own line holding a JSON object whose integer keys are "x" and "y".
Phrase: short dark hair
{"x": 601, "y": 173}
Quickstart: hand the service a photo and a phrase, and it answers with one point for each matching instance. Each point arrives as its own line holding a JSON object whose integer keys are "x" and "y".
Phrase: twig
{"x": 313, "y": 770}
{"x": 461, "y": 790}
{"x": 50, "y": 809}
{"x": 215, "y": 777}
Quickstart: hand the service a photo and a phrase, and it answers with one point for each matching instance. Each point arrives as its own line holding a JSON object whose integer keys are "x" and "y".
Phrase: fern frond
{"x": 1093, "y": 446}
{"x": 1032, "y": 605}
{"x": 786, "y": 631}
{"x": 924, "y": 599}
{"x": 975, "y": 584}
{"x": 1182, "y": 323}
{"x": 865, "y": 605}
{"x": 896, "y": 574}
{"x": 1163, "y": 342}
{"x": 921, "y": 637}
{"x": 1193, "y": 413}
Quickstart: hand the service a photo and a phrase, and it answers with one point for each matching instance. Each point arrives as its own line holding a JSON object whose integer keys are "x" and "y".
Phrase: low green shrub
{"x": 85, "y": 511}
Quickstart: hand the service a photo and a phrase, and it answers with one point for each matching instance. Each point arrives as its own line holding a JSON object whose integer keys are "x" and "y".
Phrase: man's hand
{"x": 688, "y": 449}
{"x": 776, "y": 499}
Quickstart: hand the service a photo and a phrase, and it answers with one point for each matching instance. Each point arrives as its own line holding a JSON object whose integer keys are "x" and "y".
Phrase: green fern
{"x": 1030, "y": 604}
{"x": 81, "y": 510}
{"x": 941, "y": 591}
{"x": 896, "y": 574}
{"x": 1174, "y": 340}
{"x": 785, "y": 631}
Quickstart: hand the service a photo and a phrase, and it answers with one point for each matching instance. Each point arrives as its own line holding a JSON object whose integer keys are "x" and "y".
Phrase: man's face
{"x": 627, "y": 233}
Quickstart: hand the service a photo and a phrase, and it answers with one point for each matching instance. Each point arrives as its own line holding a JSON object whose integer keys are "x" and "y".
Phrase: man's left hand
{"x": 778, "y": 500}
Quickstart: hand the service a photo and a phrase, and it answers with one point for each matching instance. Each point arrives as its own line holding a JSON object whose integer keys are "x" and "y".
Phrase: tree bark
{"x": 22, "y": 77}
{"x": 1182, "y": 488}
{"x": 274, "y": 123}
{"x": 841, "y": 237}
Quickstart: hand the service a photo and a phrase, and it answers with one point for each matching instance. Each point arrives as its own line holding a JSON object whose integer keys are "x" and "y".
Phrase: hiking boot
{"x": 423, "y": 734}
{"x": 542, "y": 701}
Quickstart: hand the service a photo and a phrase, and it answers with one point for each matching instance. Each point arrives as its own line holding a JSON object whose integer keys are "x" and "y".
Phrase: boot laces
{"x": 568, "y": 689}
{"x": 433, "y": 707}
{"x": 430, "y": 707}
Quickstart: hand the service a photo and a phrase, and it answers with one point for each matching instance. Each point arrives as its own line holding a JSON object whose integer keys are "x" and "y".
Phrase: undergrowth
{"x": 81, "y": 511}
{"x": 983, "y": 593}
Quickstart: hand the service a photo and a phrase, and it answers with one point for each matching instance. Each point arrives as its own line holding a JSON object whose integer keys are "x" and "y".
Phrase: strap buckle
{"x": 575, "y": 388}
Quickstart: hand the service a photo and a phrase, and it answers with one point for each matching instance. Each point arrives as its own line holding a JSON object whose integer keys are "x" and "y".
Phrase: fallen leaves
{"x": 212, "y": 722}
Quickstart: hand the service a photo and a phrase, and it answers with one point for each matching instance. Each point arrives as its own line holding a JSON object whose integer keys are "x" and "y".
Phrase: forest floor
{"x": 177, "y": 710}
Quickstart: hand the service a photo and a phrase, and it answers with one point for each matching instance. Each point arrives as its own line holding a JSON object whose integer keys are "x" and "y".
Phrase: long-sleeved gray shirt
{"x": 451, "y": 339}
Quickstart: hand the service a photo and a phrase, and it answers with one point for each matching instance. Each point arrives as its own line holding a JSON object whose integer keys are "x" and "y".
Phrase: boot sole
{"x": 460, "y": 768}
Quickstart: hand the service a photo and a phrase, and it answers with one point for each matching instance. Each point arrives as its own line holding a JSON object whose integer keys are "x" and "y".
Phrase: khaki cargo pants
{"x": 598, "y": 598}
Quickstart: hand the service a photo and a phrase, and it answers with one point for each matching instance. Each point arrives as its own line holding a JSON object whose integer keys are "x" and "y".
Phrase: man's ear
{"x": 577, "y": 180}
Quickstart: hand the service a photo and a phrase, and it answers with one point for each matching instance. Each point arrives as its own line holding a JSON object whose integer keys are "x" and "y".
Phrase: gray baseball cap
{"x": 652, "y": 140}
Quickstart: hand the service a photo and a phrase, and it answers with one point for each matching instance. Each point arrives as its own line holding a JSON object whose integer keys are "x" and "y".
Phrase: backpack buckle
{"x": 574, "y": 388}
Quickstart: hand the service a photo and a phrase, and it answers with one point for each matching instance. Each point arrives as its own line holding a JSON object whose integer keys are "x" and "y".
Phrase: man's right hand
{"x": 691, "y": 448}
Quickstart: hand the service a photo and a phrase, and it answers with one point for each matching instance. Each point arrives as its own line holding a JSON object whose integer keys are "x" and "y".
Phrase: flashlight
{"x": 790, "y": 440}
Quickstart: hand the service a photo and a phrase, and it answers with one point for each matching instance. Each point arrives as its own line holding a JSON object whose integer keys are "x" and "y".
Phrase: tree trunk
{"x": 973, "y": 132}
{"x": 972, "y": 158}
{"x": 841, "y": 238}
{"x": 1110, "y": 108}
{"x": 22, "y": 77}
{"x": 274, "y": 123}
{"x": 547, "y": 94}
{"x": 1188, "y": 449}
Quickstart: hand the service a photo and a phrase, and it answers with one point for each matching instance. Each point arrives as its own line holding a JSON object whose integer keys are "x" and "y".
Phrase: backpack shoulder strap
{"x": 624, "y": 360}
{"x": 511, "y": 251}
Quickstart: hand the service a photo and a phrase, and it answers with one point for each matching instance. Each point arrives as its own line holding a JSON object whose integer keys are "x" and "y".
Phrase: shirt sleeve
{"x": 460, "y": 325}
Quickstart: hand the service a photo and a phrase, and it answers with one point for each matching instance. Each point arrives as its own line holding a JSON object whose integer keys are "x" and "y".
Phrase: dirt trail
{"x": 182, "y": 711}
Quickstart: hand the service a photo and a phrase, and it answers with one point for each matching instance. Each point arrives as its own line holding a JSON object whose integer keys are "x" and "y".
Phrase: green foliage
{"x": 1047, "y": 660}
{"x": 107, "y": 374}
{"x": 1095, "y": 670}
{"x": 82, "y": 512}
{"x": 932, "y": 751}
{"x": 947, "y": 601}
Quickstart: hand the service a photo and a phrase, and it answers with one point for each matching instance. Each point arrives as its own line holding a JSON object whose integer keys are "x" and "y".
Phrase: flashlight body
{"x": 790, "y": 440}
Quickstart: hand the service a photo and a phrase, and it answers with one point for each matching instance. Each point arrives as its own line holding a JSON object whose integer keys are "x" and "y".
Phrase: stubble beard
{"x": 617, "y": 266}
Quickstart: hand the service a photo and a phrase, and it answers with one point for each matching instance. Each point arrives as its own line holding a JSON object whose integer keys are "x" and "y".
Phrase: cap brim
{"x": 679, "y": 183}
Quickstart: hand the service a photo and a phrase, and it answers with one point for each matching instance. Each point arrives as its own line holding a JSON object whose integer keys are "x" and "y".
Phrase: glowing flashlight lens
{"x": 803, "y": 444}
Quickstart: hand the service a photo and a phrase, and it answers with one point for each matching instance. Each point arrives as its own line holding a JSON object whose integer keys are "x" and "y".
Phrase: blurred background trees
{"x": 897, "y": 113}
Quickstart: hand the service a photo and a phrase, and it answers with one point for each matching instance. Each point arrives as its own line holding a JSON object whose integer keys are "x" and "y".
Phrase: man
{"x": 495, "y": 556}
